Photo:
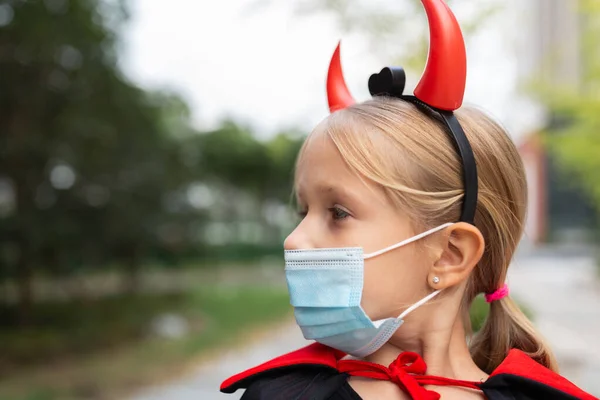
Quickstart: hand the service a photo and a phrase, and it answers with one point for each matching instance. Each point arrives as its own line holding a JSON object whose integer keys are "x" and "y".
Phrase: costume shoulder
{"x": 307, "y": 373}
{"x": 521, "y": 378}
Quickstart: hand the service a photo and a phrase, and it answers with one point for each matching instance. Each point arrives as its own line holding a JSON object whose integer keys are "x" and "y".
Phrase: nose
{"x": 298, "y": 238}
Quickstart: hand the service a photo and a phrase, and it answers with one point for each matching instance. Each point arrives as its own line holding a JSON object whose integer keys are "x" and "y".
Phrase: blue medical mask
{"x": 325, "y": 287}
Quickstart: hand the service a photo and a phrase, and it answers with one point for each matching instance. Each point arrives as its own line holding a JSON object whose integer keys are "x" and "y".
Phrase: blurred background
{"x": 146, "y": 155}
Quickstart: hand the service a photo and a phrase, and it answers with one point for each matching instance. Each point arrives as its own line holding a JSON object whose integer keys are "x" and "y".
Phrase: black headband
{"x": 390, "y": 82}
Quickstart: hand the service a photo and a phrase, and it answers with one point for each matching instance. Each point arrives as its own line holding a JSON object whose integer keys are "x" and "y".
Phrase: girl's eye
{"x": 302, "y": 214}
{"x": 338, "y": 213}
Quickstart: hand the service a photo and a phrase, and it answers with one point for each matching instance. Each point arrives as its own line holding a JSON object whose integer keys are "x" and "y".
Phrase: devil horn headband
{"x": 440, "y": 90}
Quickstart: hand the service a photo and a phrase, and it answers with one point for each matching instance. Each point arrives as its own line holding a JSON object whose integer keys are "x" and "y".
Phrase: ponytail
{"x": 506, "y": 328}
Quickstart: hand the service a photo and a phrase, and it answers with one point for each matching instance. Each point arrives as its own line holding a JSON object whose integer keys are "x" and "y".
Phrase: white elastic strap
{"x": 418, "y": 304}
{"x": 407, "y": 241}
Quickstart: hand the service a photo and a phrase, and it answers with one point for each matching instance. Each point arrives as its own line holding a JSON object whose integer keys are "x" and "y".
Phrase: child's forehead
{"x": 321, "y": 167}
{"x": 327, "y": 175}
{"x": 320, "y": 163}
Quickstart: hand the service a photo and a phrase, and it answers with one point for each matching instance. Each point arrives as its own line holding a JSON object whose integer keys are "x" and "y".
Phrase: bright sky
{"x": 267, "y": 67}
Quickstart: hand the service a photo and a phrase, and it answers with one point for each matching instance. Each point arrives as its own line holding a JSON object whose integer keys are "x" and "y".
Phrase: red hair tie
{"x": 498, "y": 294}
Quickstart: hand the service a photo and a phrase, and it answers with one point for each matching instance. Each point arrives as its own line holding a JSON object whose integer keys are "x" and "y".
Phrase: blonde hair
{"x": 412, "y": 157}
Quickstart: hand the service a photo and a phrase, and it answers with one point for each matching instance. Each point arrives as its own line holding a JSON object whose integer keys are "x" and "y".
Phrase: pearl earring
{"x": 436, "y": 279}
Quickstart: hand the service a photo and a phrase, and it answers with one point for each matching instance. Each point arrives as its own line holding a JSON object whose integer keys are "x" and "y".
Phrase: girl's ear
{"x": 459, "y": 249}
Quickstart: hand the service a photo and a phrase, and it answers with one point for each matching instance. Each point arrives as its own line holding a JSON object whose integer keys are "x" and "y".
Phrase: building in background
{"x": 547, "y": 38}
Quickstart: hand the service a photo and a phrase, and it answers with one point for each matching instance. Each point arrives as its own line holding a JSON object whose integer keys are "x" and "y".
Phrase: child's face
{"x": 341, "y": 210}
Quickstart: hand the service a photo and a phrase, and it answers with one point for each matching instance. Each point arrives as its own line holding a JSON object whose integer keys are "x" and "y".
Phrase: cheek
{"x": 392, "y": 282}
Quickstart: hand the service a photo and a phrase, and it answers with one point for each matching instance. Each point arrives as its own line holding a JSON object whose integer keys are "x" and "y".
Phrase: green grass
{"x": 96, "y": 349}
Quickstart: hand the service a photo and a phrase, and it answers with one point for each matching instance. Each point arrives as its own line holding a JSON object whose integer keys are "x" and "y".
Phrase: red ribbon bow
{"x": 407, "y": 371}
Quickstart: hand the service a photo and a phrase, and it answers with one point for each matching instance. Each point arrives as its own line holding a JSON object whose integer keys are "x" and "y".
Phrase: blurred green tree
{"x": 83, "y": 150}
{"x": 282, "y": 151}
{"x": 100, "y": 170}
{"x": 247, "y": 177}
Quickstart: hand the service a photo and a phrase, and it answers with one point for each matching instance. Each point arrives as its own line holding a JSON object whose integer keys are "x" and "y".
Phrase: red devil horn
{"x": 443, "y": 82}
{"x": 338, "y": 94}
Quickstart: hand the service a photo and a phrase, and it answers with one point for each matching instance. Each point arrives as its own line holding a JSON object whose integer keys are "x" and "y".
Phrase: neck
{"x": 442, "y": 344}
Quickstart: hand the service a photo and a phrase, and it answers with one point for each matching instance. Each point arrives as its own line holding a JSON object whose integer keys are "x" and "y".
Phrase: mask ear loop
{"x": 419, "y": 304}
{"x": 407, "y": 241}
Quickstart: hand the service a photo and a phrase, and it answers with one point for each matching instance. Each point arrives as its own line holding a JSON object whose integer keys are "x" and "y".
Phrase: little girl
{"x": 411, "y": 207}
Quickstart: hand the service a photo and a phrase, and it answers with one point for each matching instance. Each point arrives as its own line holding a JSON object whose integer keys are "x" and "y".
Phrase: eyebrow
{"x": 328, "y": 188}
